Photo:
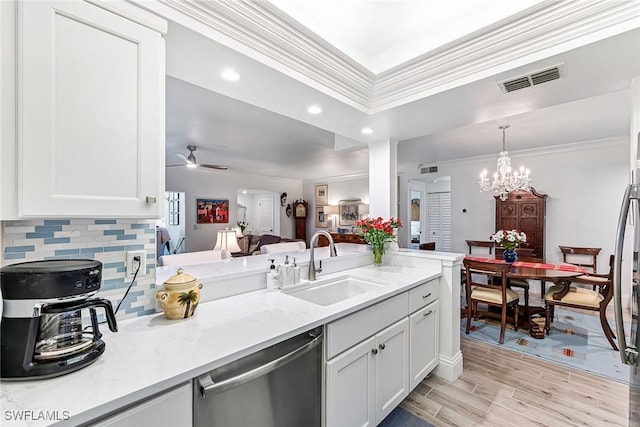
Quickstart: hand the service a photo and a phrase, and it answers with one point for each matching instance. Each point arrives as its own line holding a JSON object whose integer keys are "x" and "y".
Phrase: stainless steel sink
{"x": 333, "y": 291}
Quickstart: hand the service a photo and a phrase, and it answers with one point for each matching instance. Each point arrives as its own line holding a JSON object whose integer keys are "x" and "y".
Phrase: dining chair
{"x": 582, "y": 257}
{"x": 584, "y": 299}
{"x": 488, "y": 244}
{"x": 482, "y": 247}
{"x": 493, "y": 293}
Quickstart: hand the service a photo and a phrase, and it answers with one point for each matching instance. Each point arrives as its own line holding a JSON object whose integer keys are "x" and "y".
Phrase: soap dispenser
{"x": 286, "y": 273}
{"x": 296, "y": 272}
{"x": 272, "y": 277}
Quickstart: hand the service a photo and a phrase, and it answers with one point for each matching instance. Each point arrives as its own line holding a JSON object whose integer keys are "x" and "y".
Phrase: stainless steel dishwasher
{"x": 279, "y": 386}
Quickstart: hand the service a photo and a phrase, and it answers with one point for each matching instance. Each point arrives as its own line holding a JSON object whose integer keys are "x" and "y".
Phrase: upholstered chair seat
{"x": 579, "y": 296}
{"x": 492, "y": 295}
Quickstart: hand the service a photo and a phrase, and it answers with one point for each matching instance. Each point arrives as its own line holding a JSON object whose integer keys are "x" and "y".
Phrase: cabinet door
{"x": 423, "y": 342}
{"x": 524, "y": 211}
{"x": 90, "y": 113}
{"x": 350, "y": 392}
{"x": 392, "y": 367}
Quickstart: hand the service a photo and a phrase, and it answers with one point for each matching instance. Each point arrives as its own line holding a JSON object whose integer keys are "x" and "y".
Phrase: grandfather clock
{"x": 524, "y": 211}
{"x": 300, "y": 215}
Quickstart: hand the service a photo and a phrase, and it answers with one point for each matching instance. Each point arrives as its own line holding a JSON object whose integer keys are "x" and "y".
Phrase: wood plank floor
{"x": 499, "y": 387}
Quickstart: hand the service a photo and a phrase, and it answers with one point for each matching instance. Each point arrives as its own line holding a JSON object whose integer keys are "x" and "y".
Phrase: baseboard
{"x": 449, "y": 368}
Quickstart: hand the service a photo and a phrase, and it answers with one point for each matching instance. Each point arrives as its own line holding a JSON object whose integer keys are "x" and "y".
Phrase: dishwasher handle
{"x": 207, "y": 385}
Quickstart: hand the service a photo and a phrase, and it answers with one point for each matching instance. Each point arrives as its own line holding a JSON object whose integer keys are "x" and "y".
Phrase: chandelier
{"x": 504, "y": 179}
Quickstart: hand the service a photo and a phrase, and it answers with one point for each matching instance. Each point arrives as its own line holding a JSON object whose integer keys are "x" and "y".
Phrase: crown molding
{"x": 266, "y": 32}
{"x": 550, "y": 150}
{"x": 538, "y": 29}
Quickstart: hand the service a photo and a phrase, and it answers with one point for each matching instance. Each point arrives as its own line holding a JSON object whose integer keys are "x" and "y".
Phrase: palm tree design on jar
{"x": 188, "y": 298}
{"x": 180, "y": 296}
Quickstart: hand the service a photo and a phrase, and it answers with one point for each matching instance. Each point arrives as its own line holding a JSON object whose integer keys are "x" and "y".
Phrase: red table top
{"x": 528, "y": 264}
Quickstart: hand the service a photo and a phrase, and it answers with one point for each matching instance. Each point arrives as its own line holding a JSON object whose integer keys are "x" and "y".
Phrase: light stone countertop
{"x": 150, "y": 354}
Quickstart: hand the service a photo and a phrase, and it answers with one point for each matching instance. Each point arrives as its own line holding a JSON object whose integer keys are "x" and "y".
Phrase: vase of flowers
{"x": 376, "y": 231}
{"x": 509, "y": 240}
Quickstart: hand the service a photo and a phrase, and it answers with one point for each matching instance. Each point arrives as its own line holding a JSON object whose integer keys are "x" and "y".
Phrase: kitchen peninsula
{"x": 151, "y": 357}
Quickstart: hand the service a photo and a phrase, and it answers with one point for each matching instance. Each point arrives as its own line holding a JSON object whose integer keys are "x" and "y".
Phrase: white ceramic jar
{"x": 180, "y": 296}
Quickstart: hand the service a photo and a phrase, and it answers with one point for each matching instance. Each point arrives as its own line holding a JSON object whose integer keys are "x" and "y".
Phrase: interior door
{"x": 266, "y": 213}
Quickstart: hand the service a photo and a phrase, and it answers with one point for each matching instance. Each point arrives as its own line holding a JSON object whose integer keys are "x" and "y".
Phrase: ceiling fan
{"x": 191, "y": 162}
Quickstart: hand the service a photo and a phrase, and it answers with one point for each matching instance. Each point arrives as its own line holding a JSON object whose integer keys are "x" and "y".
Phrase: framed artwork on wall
{"x": 322, "y": 195}
{"x": 212, "y": 211}
{"x": 321, "y": 218}
{"x": 349, "y": 213}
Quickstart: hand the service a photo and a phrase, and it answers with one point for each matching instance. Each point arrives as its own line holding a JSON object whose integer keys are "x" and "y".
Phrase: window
{"x": 174, "y": 208}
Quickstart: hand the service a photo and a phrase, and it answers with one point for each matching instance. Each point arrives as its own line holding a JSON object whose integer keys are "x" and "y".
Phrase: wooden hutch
{"x": 524, "y": 211}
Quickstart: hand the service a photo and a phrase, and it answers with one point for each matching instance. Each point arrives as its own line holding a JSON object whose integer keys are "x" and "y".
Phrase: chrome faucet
{"x": 332, "y": 252}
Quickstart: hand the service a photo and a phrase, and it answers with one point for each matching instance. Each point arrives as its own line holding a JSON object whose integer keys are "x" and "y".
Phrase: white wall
{"x": 584, "y": 183}
{"x": 202, "y": 183}
{"x": 338, "y": 189}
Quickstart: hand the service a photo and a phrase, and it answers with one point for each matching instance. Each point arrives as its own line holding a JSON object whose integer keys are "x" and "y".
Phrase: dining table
{"x": 559, "y": 274}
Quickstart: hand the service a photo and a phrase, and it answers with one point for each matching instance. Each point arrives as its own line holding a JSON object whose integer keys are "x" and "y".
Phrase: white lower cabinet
{"x": 350, "y": 391}
{"x": 392, "y": 368}
{"x": 172, "y": 408}
{"x": 366, "y": 382}
{"x": 424, "y": 327}
{"x": 377, "y": 355}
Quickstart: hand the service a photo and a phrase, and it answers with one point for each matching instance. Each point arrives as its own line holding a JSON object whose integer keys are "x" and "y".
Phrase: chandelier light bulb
{"x": 504, "y": 179}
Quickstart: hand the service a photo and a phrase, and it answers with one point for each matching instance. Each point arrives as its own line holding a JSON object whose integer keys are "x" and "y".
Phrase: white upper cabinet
{"x": 90, "y": 112}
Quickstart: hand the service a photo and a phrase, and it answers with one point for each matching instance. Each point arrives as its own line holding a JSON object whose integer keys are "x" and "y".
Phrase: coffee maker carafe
{"x": 49, "y": 323}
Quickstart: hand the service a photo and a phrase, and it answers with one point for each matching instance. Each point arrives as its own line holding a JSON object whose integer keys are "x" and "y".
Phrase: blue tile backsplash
{"x": 105, "y": 240}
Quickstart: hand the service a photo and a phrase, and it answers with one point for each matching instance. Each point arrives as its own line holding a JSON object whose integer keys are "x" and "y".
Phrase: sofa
{"x": 278, "y": 248}
{"x": 251, "y": 244}
{"x": 189, "y": 258}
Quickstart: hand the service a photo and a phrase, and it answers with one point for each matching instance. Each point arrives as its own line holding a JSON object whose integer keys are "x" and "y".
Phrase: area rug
{"x": 401, "y": 418}
{"x": 575, "y": 340}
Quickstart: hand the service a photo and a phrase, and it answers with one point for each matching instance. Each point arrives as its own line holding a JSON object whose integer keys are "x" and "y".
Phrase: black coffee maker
{"x": 49, "y": 322}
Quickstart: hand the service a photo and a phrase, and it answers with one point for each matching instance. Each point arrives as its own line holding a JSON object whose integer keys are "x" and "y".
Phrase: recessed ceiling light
{"x": 231, "y": 75}
{"x": 314, "y": 109}
{"x": 366, "y": 131}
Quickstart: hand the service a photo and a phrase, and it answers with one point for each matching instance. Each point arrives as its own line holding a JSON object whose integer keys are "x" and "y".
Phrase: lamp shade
{"x": 331, "y": 210}
{"x": 226, "y": 241}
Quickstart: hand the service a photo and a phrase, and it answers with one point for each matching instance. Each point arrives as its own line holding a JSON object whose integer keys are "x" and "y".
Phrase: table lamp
{"x": 227, "y": 242}
{"x": 331, "y": 212}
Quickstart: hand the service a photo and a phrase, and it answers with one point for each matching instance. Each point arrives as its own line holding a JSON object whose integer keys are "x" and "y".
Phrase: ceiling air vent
{"x": 532, "y": 79}
{"x": 428, "y": 169}
{"x": 516, "y": 84}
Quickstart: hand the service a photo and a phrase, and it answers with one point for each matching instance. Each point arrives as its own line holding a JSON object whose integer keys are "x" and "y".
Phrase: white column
{"x": 383, "y": 181}
{"x": 450, "y": 364}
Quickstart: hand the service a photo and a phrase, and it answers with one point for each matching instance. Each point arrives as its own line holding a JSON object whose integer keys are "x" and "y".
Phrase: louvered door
{"x": 439, "y": 220}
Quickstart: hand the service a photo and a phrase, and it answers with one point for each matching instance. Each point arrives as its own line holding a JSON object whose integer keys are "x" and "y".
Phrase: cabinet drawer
{"x": 350, "y": 330}
{"x": 172, "y": 408}
{"x": 423, "y": 295}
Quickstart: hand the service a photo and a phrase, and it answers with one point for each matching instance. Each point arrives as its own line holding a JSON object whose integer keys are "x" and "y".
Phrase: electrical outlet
{"x": 132, "y": 265}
